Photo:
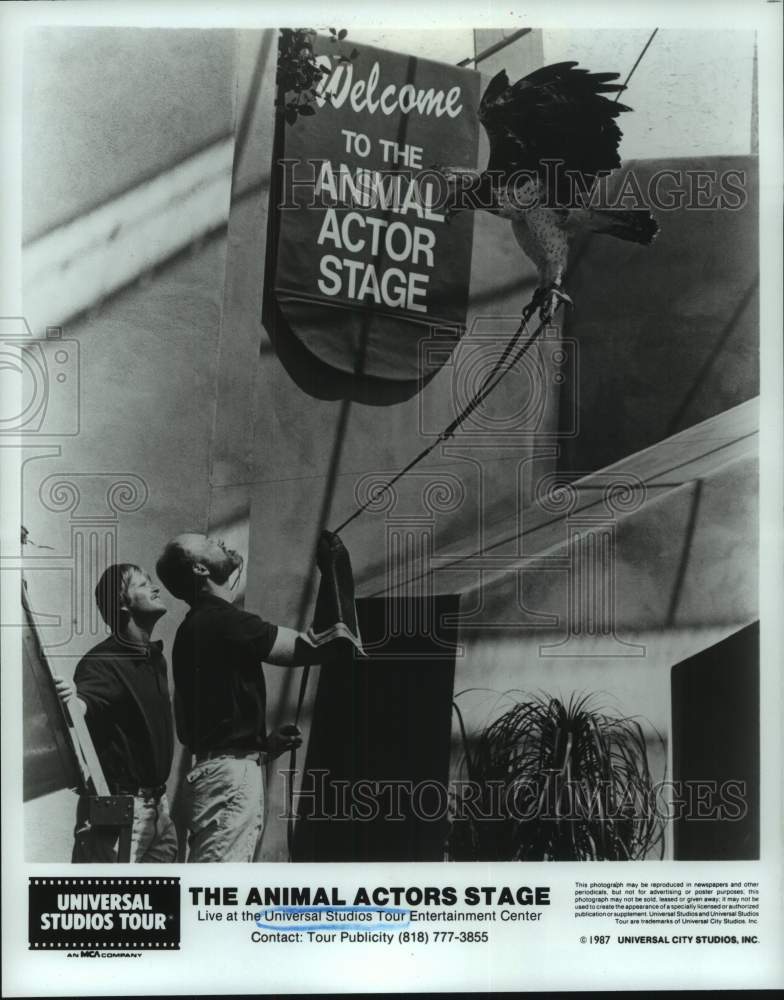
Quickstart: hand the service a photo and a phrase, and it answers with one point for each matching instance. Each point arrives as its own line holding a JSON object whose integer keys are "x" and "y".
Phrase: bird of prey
{"x": 552, "y": 134}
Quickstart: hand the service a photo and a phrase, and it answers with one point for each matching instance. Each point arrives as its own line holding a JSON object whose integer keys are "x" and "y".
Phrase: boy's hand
{"x": 68, "y": 695}
{"x": 66, "y": 690}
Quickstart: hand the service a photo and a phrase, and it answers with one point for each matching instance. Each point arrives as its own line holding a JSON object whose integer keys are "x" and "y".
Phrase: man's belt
{"x": 144, "y": 792}
{"x": 260, "y": 755}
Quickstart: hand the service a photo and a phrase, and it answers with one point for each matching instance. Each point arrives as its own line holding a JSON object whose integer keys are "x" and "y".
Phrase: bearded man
{"x": 220, "y": 697}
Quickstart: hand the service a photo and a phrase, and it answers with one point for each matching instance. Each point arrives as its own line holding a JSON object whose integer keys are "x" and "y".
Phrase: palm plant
{"x": 549, "y": 781}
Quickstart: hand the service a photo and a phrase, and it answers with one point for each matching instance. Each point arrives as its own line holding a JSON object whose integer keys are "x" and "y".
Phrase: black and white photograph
{"x": 392, "y": 426}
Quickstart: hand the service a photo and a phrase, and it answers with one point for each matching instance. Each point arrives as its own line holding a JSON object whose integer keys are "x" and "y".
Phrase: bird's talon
{"x": 547, "y": 300}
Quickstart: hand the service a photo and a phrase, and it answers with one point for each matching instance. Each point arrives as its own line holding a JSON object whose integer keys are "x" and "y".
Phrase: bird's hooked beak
{"x": 450, "y": 174}
{"x": 454, "y": 181}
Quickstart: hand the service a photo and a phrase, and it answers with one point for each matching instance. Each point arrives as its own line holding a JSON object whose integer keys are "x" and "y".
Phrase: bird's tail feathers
{"x": 636, "y": 225}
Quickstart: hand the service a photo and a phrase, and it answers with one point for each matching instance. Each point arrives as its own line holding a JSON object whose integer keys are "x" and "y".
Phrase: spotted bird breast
{"x": 542, "y": 238}
{"x": 540, "y": 231}
{"x": 514, "y": 201}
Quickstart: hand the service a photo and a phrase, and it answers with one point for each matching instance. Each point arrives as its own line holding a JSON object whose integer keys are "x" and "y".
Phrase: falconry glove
{"x": 335, "y": 617}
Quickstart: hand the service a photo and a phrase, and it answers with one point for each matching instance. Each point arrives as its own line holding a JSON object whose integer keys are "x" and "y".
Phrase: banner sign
{"x": 367, "y": 264}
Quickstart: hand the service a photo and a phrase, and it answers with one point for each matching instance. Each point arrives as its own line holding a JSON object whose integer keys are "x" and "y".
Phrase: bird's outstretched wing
{"x": 556, "y": 113}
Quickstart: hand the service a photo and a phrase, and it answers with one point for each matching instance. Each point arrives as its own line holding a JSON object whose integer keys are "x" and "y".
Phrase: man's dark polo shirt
{"x": 221, "y": 696}
{"x": 129, "y": 714}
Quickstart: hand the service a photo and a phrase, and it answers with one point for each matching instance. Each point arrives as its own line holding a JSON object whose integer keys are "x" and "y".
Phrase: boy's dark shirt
{"x": 125, "y": 689}
{"x": 221, "y": 695}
